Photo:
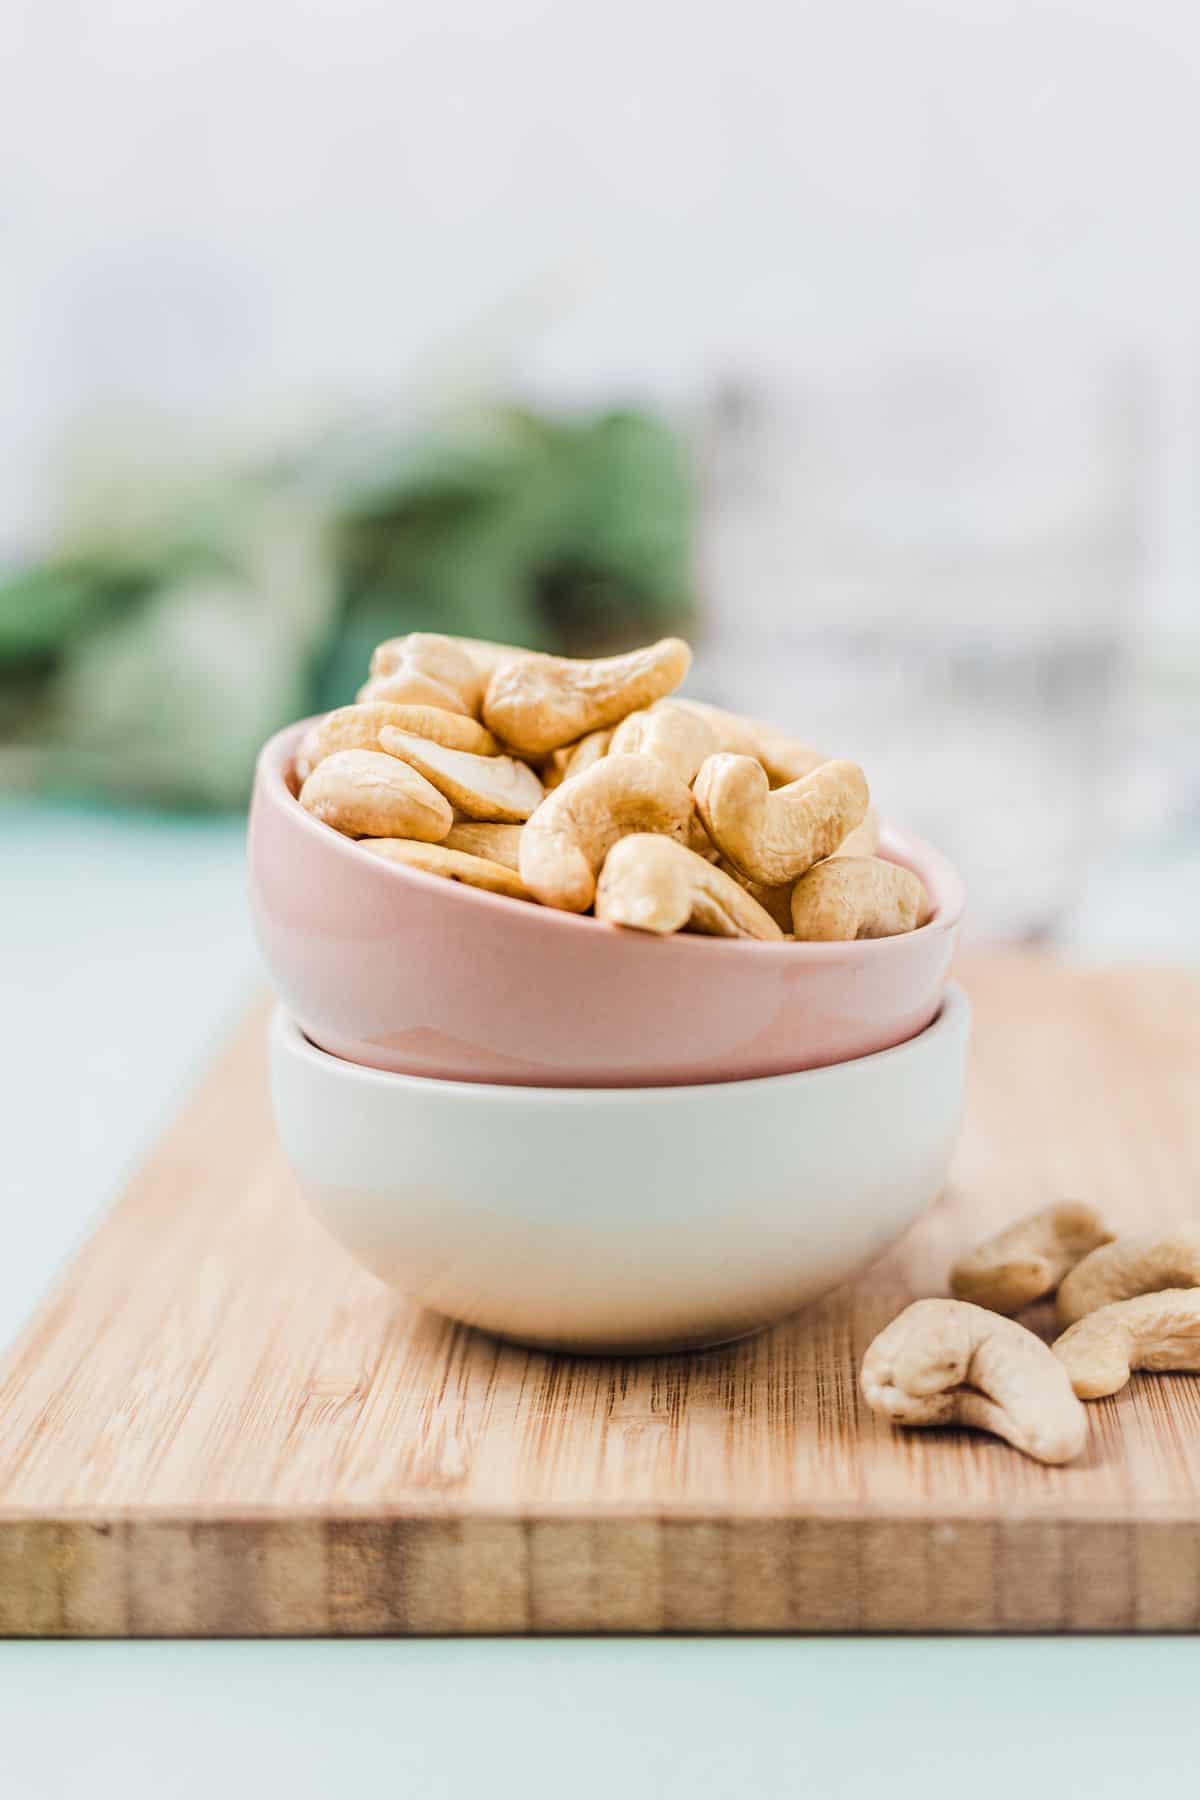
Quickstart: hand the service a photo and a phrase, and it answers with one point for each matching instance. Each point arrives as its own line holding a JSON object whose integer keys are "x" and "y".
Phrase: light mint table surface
{"x": 125, "y": 955}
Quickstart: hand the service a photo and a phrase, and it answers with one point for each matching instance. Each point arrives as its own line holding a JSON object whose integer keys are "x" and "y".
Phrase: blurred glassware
{"x": 929, "y": 565}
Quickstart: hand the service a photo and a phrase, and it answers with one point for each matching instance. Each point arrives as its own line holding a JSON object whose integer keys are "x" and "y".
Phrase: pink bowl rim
{"x": 941, "y": 878}
{"x": 953, "y": 1010}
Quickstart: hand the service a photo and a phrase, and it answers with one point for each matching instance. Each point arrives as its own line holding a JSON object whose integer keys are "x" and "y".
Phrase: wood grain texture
{"x": 218, "y": 1425}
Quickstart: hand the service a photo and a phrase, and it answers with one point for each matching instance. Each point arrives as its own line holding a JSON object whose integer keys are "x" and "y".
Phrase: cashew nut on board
{"x": 852, "y": 897}
{"x": 364, "y": 793}
{"x": 774, "y": 836}
{"x": 565, "y": 842}
{"x": 1029, "y": 1258}
{"x": 1129, "y": 1266}
{"x": 424, "y": 669}
{"x": 358, "y": 728}
{"x": 454, "y": 865}
{"x": 495, "y": 843}
{"x": 945, "y": 1362}
{"x": 655, "y": 883}
{"x": 481, "y": 787}
{"x": 1155, "y": 1331}
{"x": 538, "y": 703}
{"x": 674, "y": 736}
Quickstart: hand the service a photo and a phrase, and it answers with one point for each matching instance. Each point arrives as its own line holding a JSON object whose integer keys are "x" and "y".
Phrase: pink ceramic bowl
{"x": 396, "y": 969}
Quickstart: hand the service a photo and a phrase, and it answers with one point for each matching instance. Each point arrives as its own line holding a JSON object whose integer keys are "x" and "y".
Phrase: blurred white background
{"x": 231, "y": 203}
{"x": 244, "y": 208}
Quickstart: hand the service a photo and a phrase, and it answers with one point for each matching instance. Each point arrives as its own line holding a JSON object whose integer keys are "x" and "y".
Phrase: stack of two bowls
{"x": 588, "y": 1138}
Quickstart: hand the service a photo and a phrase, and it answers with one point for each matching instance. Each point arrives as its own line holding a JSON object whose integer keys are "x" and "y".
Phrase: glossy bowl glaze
{"x": 622, "y": 1219}
{"x": 400, "y": 970}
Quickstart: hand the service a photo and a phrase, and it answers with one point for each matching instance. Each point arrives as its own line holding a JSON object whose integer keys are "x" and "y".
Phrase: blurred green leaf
{"x": 41, "y": 608}
{"x": 192, "y": 605}
{"x": 633, "y": 507}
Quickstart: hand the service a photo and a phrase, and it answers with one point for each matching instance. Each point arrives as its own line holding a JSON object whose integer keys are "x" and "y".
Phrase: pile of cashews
{"x": 1123, "y": 1303}
{"x": 586, "y": 786}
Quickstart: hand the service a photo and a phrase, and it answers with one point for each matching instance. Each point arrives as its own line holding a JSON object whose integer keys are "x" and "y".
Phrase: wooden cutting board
{"x": 217, "y": 1425}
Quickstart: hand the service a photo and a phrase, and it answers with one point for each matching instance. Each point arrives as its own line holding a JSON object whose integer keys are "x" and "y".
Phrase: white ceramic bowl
{"x": 622, "y": 1219}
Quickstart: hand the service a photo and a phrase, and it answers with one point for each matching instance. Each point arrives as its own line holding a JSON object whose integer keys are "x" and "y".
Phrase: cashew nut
{"x": 540, "y": 702}
{"x": 424, "y": 669}
{"x": 863, "y": 840}
{"x": 454, "y": 865}
{"x": 946, "y": 1362}
{"x": 674, "y": 735}
{"x": 573, "y": 759}
{"x": 851, "y": 897}
{"x": 1030, "y": 1258}
{"x": 495, "y": 843}
{"x": 488, "y": 656}
{"x": 482, "y": 787}
{"x": 1128, "y": 1267}
{"x": 734, "y": 736}
{"x": 774, "y": 837}
{"x": 1155, "y": 1331}
{"x": 766, "y": 807}
{"x": 364, "y": 793}
{"x": 697, "y": 839}
{"x": 777, "y": 901}
{"x": 567, "y": 839}
{"x": 358, "y": 728}
{"x": 655, "y": 883}
{"x": 784, "y": 758}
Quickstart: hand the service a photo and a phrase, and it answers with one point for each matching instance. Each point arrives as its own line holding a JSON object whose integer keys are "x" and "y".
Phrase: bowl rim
{"x": 289, "y": 1039}
{"x": 942, "y": 881}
